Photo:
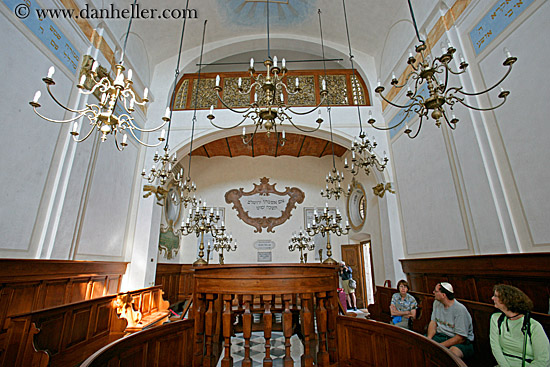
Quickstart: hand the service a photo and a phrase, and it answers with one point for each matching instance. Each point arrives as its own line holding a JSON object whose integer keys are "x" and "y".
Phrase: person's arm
{"x": 395, "y": 312}
{"x": 432, "y": 326}
{"x": 457, "y": 339}
{"x": 413, "y": 313}
{"x": 495, "y": 342}
{"x": 540, "y": 344}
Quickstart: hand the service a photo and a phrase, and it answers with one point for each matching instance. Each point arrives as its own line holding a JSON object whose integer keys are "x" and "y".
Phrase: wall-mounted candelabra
{"x": 223, "y": 242}
{"x": 301, "y": 241}
{"x": 201, "y": 220}
{"x": 325, "y": 224}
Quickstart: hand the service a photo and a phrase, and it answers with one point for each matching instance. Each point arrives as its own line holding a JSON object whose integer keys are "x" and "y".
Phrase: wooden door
{"x": 352, "y": 255}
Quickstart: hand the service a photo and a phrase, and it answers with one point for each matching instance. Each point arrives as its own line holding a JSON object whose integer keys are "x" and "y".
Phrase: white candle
{"x": 345, "y": 161}
{"x": 240, "y": 82}
{"x": 284, "y": 63}
{"x": 162, "y": 134}
{"x": 255, "y": 97}
{"x": 212, "y": 109}
{"x": 132, "y": 101}
{"x": 75, "y": 129}
{"x": 37, "y": 96}
{"x": 130, "y": 74}
{"x": 252, "y": 63}
{"x": 145, "y": 93}
{"x": 392, "y": 75}
{"x": 283, "y": 134}
{"x": 282, "y": 97}
{"x": 507, "y": 52}
{"x": 217, "y": 80}
{"x": 244, "y": 131}
{"x": 297, "y": 82}
{"x": 82, "y": 80}
{"x": 274, "y": 61}
{"x": 95, "y": 65}
{"x": 124, "y": 139}
{"x": 379, "y": 84}
{"x": 51, "y": 71}
{"x": 167, "y": 113}
{"x": 324, "y": 84}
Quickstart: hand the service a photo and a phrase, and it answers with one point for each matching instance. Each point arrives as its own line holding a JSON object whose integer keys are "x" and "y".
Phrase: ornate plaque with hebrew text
{"x": 264, "y": 206}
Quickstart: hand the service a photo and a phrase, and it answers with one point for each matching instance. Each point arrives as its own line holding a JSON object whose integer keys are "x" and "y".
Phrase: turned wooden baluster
{"x": 209, "y": 330}
{"x": 287, "y": 330}
{"x": 332, "y": 312}
{"x": 322, "y": 355}
{"x": 227, "y": 360}
{"x": 307, "y": 324}
{"x": 247, "y": 330}
{"x": 199, "y": 329}
{"x": 268, "y": 326}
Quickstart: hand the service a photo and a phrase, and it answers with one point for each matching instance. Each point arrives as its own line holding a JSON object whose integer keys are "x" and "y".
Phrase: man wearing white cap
{"x": 451, "y": 324}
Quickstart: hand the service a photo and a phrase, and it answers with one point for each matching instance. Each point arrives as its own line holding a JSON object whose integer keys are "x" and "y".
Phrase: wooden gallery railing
{"x": 226, "y": 292}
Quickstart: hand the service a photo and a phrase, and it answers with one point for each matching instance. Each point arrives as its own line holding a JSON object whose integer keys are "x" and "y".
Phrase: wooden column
{"x": 332, "y": 312}
{"x": 307, "y": 323}
{"x": 287, "y": 330}
{"x": 209, "y": 330}
{"x": 247, "y": 330}
{"x": 268, "y": 325}
{"x": 227, "y": 360}
{"x": 322, "y": 354}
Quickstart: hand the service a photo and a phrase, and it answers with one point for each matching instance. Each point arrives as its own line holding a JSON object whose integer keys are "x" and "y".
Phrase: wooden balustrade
{"x": 387, "y": 345}
{"x": 66, "y": 335}
{"x": 176, "y": 281}
{"x": 473, "y": 277}
{"x": 29, "y": 285}
{"x": 226, "y": 292}
{"x": 480, "y": 312}
{"x": 168, "y": 345}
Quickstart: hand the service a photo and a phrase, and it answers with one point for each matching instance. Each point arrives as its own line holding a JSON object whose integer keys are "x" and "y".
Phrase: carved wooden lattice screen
{"x": 344, "y": 88}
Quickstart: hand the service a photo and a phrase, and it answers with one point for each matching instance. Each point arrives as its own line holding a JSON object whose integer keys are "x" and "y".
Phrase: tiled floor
{"x": 257, "y": 349}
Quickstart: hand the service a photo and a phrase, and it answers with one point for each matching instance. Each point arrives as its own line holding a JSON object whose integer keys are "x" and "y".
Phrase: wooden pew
{"x": 370, "y": 343}
{"x": 176, "y": 280}
{"x": 163, "y": 346}
{"x": 473, "y": 277}
{"x": 480, "y": 312}
{"x": 30, "y": 285}
{"x": 66, "y": 335}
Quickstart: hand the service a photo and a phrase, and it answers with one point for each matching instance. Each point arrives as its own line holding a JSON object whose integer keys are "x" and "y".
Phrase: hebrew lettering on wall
{"x": 264, "y": 206}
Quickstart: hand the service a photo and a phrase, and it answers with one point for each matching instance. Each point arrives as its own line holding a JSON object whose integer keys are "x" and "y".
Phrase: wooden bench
{"x": 480, "y": 312}
{"x": 370, "y": 343}
{"x": 66, "y": 335}
{"x": 176, "y": 280}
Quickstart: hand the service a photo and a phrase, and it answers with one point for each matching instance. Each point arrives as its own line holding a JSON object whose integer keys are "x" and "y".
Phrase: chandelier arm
{"x": 231, "y": 108}
{"x": 459, "y": 90}
{"x": 448, "y": 122}
{"x": 479, "y": 108}
{"x": 231, "y": 127}
{"x": 116, "y": 142}
{"x": 457, "y": 72}
{"x": 94, "y": 124}
{"x": 394, "y": 104}
{"x": 304, "y": 130}
{"x": 245, "y": 141}
{"x": 417, "y": 131}
{"x": 131, "y": 129}
{"x": 129, "y": 121}
{"x": 80, "y": 114}
{"x": 61, "y": 105}
{"x": 406, "y": 80}
{"x": 309, "y": 111}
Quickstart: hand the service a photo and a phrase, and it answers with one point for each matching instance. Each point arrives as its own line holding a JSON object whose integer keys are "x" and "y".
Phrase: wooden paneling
{"x": 387, "y": 345}
{"x": 480, "y": 312}
{"x": 164, "y": 346}
{"x": 473, "y": 277}
{"x": 28, "y": 285}
{"x": 176, "y": 281}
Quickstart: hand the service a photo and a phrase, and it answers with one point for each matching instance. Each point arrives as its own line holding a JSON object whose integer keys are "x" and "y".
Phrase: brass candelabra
{"x": 325, "y": 224}
{"x": 223, "y": 242}
{"x": 201, "y": 220}
{"x": 300, "y": 241}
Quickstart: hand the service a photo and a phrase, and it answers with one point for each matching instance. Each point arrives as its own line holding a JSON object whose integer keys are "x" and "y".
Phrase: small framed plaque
{"x": 264, "y": 256}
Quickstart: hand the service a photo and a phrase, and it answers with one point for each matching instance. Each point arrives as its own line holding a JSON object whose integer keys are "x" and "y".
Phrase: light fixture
{"x": 103, "y": 116}
{"x": 301, "y": 241}
{"x": 431, "y": 90}
{"x": 222, "y": 242}
{"x": 362, "y": 150}
{"x": 363, "y": 156}
{"x": 164, "y": 164}
{"x": 267, "y": 91}
{"x": 200, "y": 222}
{"x": 380, "y": 189}
{"x": 325, "y": 224}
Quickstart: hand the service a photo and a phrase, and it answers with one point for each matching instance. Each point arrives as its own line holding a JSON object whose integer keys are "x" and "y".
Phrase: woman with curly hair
{"x": 514, "y": 336}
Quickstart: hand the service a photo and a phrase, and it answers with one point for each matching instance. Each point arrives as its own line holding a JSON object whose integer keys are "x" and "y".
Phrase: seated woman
{"x": 508, "y": 342}
{"x": 403, "y": 306}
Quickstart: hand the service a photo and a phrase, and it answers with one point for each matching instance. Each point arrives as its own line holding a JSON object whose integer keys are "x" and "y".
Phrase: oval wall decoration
{"x": 264, "y": 206}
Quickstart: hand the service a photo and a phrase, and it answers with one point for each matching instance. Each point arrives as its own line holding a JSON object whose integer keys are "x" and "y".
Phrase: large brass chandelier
{"x": 433, "y": 75}
{"x": 363, "y": 156}
{"x": 103, "y": 116}
{"x": 163, "y": 168}
{"x": 267, "y": 93}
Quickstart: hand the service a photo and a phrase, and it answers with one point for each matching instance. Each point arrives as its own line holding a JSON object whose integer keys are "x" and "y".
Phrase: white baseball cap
{"x": 447, "y": 286}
